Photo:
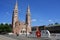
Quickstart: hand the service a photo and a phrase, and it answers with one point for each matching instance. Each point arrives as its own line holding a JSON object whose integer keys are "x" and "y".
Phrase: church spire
{"x": 28, "y": 10}
{"x": 16, "y": 6}
{"x": 15, "y": 16}
{"x": 28, "y": 20}
{"x": 16, "y": 11}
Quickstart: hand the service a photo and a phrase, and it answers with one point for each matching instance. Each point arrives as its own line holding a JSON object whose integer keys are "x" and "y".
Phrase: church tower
{"x": 15, "y": 16}
{"x": 28, "y": 20}
{"x": 18, "y": 26}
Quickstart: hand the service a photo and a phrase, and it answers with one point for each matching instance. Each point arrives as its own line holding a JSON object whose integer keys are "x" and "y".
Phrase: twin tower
{"x": 18, "y": 26}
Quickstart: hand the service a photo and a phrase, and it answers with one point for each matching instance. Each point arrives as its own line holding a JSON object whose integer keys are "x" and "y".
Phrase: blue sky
{"x": 43, "y": 12}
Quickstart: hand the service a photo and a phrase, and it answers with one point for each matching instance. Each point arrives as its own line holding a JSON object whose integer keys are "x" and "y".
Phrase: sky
{"x": 43, "y": 12}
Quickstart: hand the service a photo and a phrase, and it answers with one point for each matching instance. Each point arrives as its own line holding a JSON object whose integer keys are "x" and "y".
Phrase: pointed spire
{"x": 28, "y": 10}
{"x": 28, "y": 7}
{"x": 16, "y": 5}
{"x": 28, "y": 20}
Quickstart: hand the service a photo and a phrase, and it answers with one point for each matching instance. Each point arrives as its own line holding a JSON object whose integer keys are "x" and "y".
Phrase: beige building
{"x": 18, "y": 26}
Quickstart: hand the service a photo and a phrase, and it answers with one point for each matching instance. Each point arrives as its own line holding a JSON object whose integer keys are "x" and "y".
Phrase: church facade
{"x": 18, "y": 26}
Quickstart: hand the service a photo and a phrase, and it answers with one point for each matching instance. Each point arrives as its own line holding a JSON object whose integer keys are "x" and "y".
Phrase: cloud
{"x": 49, "y": 20}
{"x": 33, "y": 20}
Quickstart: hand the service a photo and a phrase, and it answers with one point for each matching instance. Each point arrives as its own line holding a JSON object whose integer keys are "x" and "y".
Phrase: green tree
{"x": 5, "y": 28}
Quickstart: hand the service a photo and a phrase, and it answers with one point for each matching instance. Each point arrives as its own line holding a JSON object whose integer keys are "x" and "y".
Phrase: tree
{"x": 5, "y": 28}
{"x": 56, "y": 23}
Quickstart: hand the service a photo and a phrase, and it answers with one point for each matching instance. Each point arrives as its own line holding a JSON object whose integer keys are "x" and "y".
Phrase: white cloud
{"x": 33, "y": 20}
{"x": 49, "y": 20}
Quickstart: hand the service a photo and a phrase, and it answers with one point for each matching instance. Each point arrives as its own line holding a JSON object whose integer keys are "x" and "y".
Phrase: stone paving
{"x": 14, "y": 37}
{"x": 24, "y": 38}
{"x": 5, "y": 38}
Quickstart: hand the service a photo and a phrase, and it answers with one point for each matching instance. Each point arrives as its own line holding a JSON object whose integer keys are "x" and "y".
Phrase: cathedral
{"x": 18, "y": 26}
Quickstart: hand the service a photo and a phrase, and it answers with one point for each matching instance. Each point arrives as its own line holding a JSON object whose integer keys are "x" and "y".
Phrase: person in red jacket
{"x": 38, "y": 33}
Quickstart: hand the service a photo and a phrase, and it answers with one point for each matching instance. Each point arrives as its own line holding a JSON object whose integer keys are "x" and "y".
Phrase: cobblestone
{"x": 14, "y": 37}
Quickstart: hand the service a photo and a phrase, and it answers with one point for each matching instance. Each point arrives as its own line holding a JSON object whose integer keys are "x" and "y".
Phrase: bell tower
{"x": 28, "y": 20}
{"x": 15, "y": 16}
